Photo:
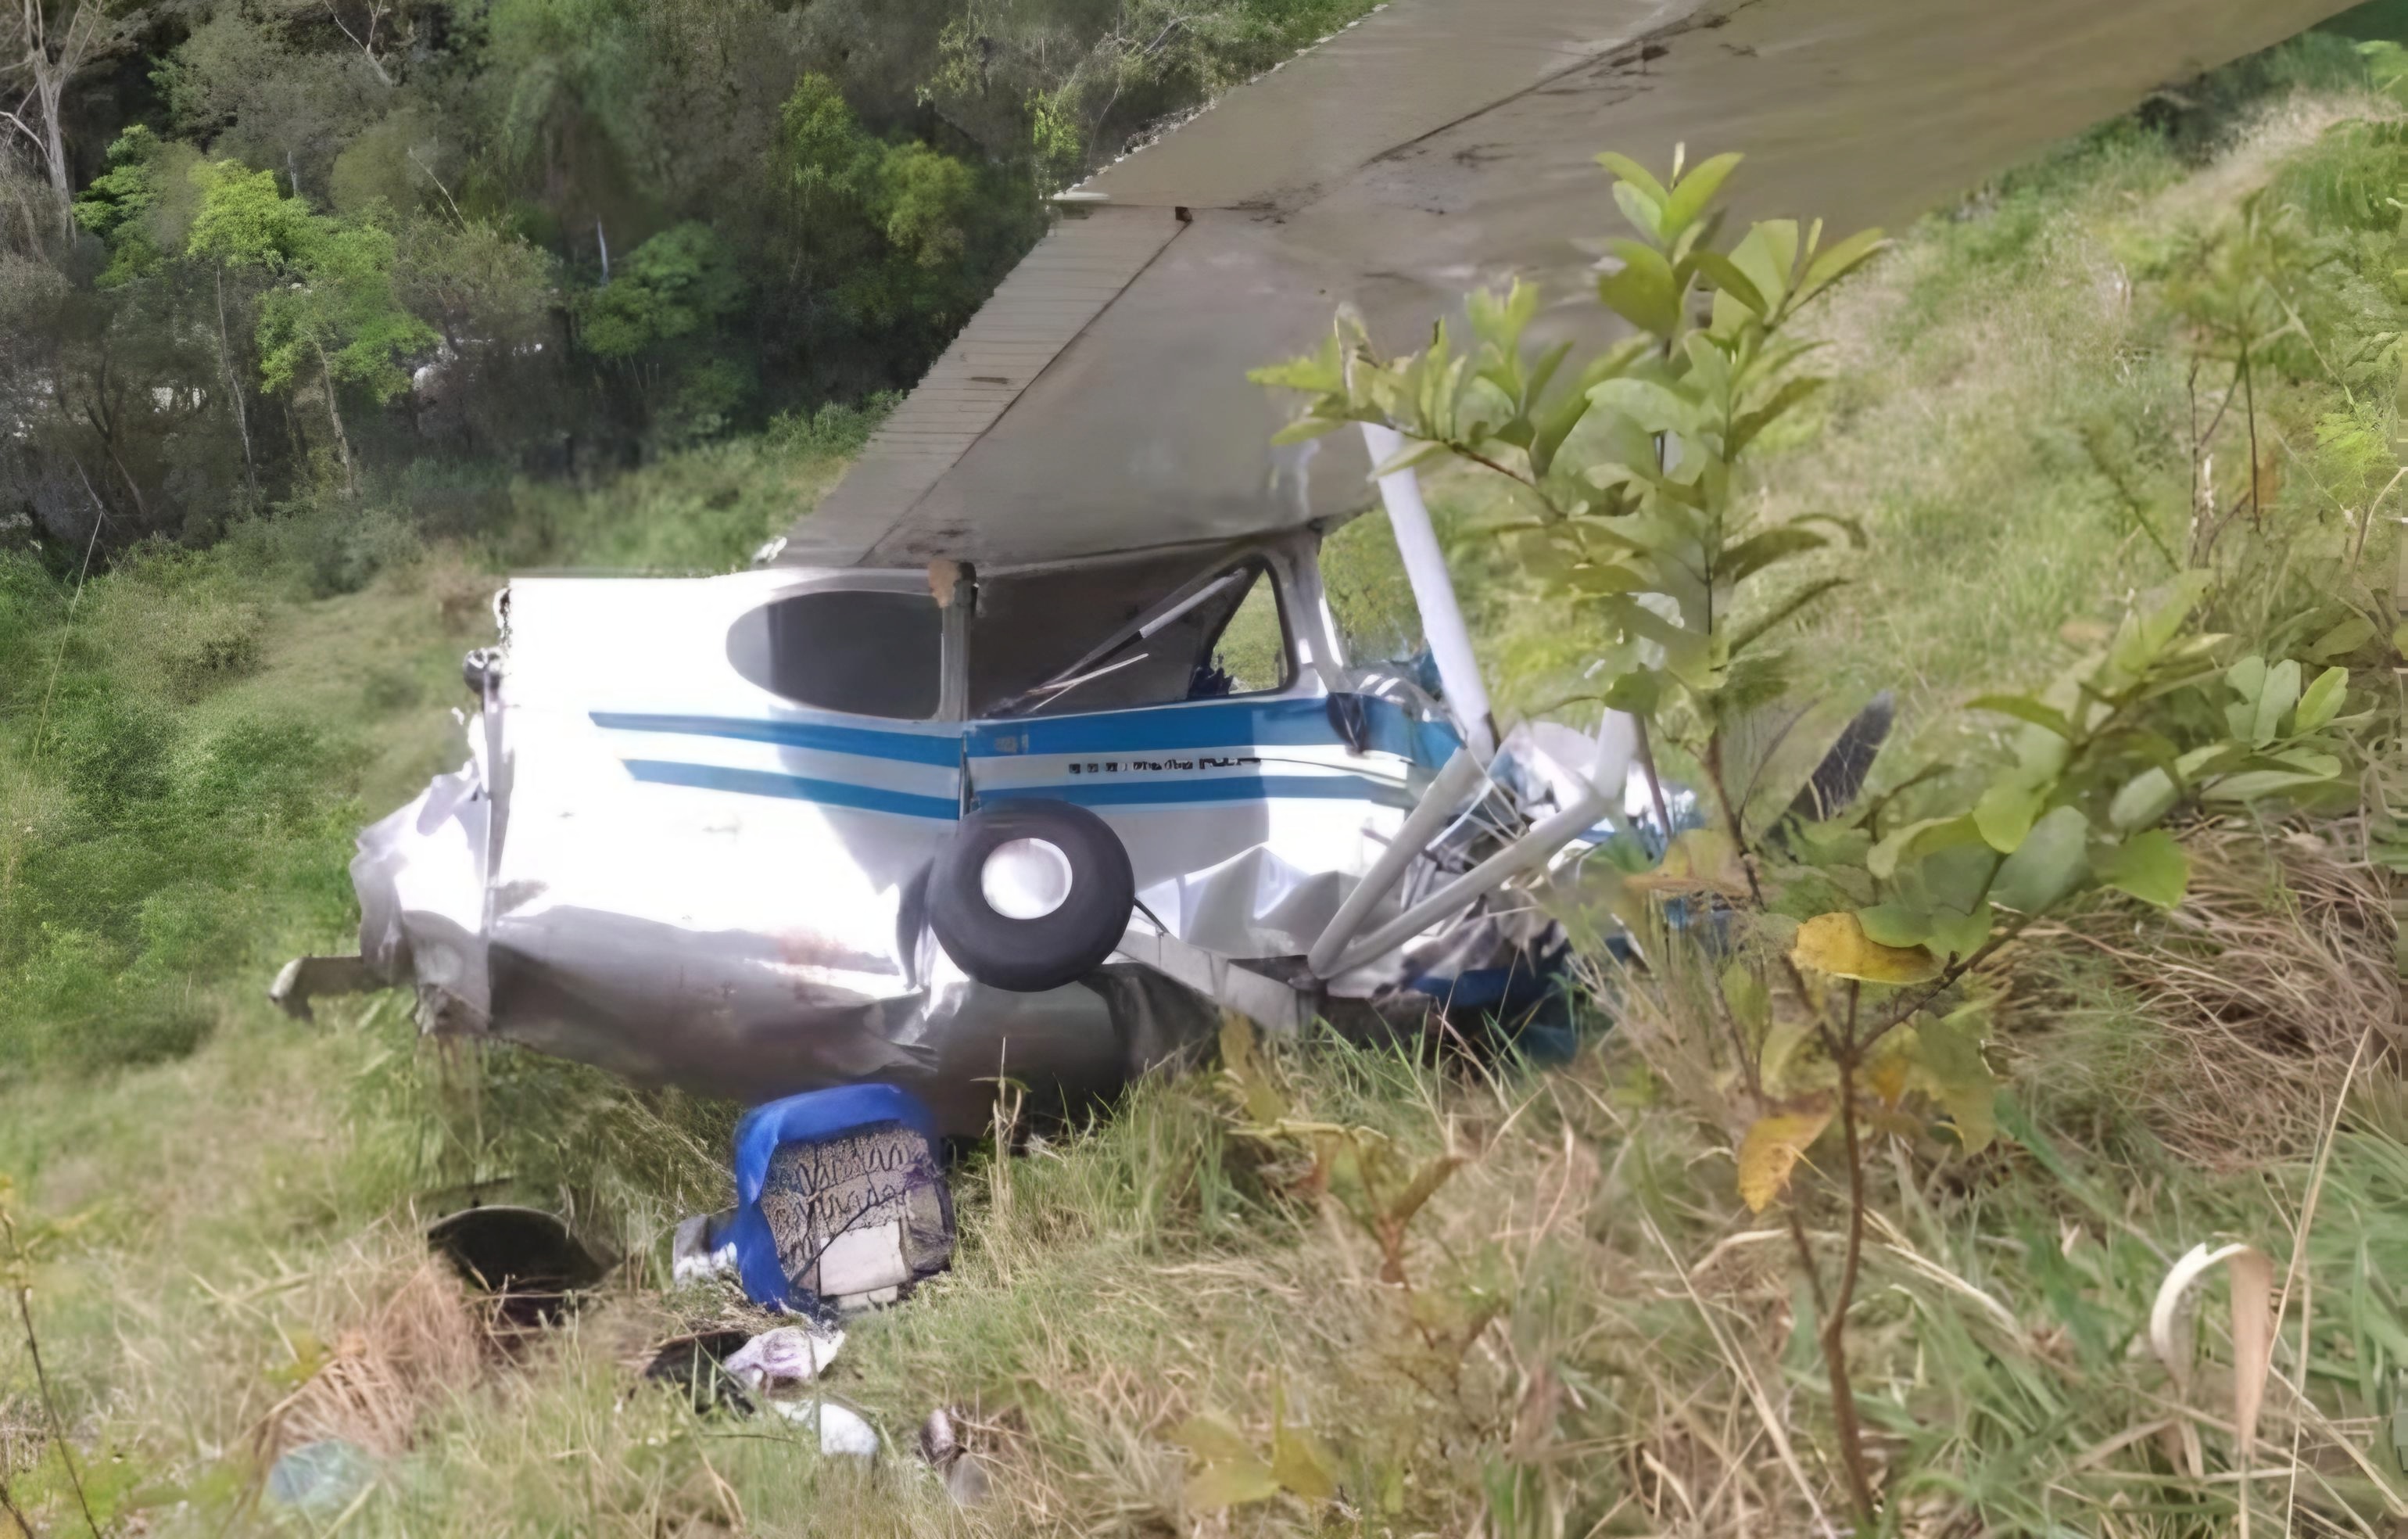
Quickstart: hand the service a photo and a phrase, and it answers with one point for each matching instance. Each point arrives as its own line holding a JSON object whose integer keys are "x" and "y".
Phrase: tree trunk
{"x": 225, "y": 363}
{"x": 54, "y": 144}
{"x": 48, "y": 66}
{"x": 342, "y": 444}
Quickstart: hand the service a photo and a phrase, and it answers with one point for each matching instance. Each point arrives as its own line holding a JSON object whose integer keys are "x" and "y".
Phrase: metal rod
{"x": 1450, "y": 639}
{"x": 1532, "y": 849}
{"x": 1455, "y": 782}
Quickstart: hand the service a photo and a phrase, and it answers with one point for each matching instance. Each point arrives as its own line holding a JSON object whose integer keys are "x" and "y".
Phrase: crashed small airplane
{"x": 798, "y": 826}
{"x": 1036, "y": 745}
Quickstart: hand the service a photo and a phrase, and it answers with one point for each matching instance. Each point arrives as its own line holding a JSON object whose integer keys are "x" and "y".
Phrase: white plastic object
{"x": 691, "y": 1258}
{"x": 841, "y": 1432}
{"x": 790, "y": 1353}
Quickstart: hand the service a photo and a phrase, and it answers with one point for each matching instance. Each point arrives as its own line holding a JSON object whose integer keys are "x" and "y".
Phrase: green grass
{"x": 705, "y": 510}
{"x": 1595, "y": 1326}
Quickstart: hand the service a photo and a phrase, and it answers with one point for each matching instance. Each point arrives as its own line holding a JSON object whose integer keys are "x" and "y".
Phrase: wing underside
{"x": 1098, "y": 402}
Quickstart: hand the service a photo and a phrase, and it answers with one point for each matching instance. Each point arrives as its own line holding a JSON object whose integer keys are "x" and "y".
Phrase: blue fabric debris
{"x": 814, "y": 1116}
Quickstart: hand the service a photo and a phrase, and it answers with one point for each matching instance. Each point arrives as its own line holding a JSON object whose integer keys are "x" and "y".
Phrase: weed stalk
{"x": 42, "y": 1378}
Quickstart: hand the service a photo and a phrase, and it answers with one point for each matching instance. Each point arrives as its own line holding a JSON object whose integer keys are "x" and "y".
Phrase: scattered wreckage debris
{"x": 360, "y": 1397}
{"x": 790, "y": 1353}
{"x": 698, "y": 1364}
{"x": 841, "y": 1429}
{"x": 748, "y": 1374}
{"x": 303, "y": 977}
{"x": 525, "y": 1259}
{"x": 941, "y": 1447}
{"x": 841, "y": 1204}
{"x": 321, "y": 1477}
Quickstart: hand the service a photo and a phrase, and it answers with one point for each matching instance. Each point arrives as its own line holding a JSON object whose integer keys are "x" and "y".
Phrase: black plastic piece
{"x": 526, "y": 1255}
{"x": 1350, "y": 716}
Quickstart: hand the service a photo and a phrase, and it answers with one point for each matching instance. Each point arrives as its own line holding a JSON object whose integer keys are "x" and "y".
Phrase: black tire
{"x": 1030, "y": 956}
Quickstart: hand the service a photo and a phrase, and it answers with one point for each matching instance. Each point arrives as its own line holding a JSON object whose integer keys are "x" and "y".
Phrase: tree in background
{"x": 1077, "y": 82}
{"x": 336, "y": 306}
{"x": 44, "y": 44}
{"x": 522, "y": 238}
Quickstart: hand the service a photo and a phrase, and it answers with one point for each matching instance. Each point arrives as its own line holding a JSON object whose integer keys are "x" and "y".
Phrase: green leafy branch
{"x": 1641, "y": 526}
{"x": 1854, "y": 932}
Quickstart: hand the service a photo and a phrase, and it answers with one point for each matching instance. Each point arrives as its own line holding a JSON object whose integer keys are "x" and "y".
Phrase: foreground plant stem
{"x": 42, "y": 1378}
{"x": 1655, "y": 781}
{"x": 8, "y": 1505}
{"x": 1846, "y": 1050}
{"x": 1835, "y": 1321}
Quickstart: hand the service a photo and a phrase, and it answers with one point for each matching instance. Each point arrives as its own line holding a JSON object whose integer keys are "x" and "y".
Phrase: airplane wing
{"x": 1099, "y": 401}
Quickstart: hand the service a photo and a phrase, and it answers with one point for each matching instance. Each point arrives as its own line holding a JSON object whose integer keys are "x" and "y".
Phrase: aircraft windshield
{"x": 1223, "y": 638}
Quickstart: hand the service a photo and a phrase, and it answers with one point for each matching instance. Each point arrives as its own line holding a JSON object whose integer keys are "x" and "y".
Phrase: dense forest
{"x": 261, "y": 255}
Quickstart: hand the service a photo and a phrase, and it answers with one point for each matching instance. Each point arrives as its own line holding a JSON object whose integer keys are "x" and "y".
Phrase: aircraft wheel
{"x": 1031, "y": 895}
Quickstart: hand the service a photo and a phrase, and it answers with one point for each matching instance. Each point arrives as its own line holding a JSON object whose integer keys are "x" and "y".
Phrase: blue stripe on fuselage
{"x": 1267, "y": 723}
{"x": 868, "y": 742}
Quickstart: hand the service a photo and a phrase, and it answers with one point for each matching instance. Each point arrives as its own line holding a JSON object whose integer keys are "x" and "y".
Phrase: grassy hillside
{"x": 216, "y": 1209}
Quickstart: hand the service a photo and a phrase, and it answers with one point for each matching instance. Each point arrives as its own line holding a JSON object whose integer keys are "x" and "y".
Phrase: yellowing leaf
{"x": 1837, "y": 943}
{"x": 1698, "y": 859}
{"x": 1211, "y": 1437}
{"x": 1889, "y": 1078}
{"x": 1771, "y": 1151}
{"x": 1232, "y": 1484}
{"x": 1301, "y": 1464}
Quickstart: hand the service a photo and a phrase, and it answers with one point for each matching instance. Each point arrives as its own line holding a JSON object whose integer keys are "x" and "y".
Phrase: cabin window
{"x": 1112, "y": 636}
{"x": 861, "y": 651}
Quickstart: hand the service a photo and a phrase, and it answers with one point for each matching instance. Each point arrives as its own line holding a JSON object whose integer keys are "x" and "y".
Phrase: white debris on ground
{"x": 941, "y": 1445}
{"x": 792, "y": 1354}
{"x": 693, "y": 1260}
{"x": 841, "y": 1432}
